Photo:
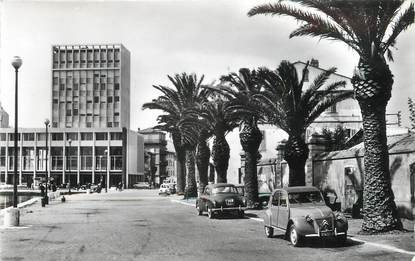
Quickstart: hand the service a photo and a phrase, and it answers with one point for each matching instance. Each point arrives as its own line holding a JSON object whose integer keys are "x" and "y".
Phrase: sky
{"x": 205, "y": 37}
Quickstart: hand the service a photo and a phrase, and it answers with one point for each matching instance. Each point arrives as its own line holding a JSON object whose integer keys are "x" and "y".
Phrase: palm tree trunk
{"x": 202, "y": 162}
{"x": 191, "y": 187}
{"x": 250, "y": 138}
{"x": 221, "y": 157}
{"x": 296, "y": 154}
{"x": 373, "y": 88}
{"x": 181, "y": 157}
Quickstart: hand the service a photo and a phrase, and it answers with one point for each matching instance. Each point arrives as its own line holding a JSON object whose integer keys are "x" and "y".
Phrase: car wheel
{"x": 341, "y": 240}
{"x": 294, "y": 236}
{"x": 210, "y": 212}
{"x": 269, "y": 231}
{"x": 199, "y": 210}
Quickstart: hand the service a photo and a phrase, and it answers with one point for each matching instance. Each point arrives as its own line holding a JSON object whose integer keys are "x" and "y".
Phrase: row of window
{"x": 59, "y": 136}
{"x": 97, "y": 78}
{"x": 91, "y": 54}
{"x": 97, "y": 99}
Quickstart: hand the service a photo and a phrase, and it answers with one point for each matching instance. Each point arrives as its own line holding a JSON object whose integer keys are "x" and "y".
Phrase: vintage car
{"x": 263, "y": 197}
{"x": 301, "y": 212}
{"x": 220, "y": 198}
{"x": 164, "y": 189}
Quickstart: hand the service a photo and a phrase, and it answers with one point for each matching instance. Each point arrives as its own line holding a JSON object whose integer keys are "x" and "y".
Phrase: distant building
{"x": 171, "y": 168}
{"x": 4, "y": 118}
{"x": 115, "y": 154}
{"x": 155, "y": 142}
{"x": 90, "y": 86}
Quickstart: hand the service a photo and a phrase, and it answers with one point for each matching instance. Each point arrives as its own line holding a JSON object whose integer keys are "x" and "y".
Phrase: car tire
{"x": 210, "y": 213}
{"x": 341, "y": 240}
{"x": 269, "y": 231}
{"x": 293, "y": 236}
{"x": 199, "y": 210}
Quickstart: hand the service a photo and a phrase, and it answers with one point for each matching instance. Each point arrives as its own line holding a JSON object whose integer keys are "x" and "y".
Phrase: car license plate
{"x": 229, "y": 202}
{"x": 326, "y": 233}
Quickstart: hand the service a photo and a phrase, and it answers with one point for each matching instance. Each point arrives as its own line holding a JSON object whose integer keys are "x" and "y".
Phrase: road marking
{"x": 181, "y": 202}
{"x": 387, "y": 247}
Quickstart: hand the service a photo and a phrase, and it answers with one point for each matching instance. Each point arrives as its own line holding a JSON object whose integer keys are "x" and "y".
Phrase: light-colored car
{"x": 141, "y": 185}
{"x": 301, "y": 212}
{"x": 164, "y": 189}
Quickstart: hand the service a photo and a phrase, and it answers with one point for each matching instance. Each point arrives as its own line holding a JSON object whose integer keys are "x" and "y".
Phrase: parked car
{"x": 301, "y": 212}
{"x": 220, "y": 198}
{"x": 164, "y": 189}
{"x": 141, "y": 185}
{"x": 263, "y": 198}
{"x": 172, "y": 187}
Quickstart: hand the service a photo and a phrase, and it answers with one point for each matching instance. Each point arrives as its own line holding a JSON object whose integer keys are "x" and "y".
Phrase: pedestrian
{"x": 42, "y": 190}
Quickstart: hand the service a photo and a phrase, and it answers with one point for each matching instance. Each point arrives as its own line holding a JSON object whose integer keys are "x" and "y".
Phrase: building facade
{"x": 90, "y": 86}
{"x": 155, "y": 142}
{"x": 4, "y": 118}
{"x": 78, "y": 156}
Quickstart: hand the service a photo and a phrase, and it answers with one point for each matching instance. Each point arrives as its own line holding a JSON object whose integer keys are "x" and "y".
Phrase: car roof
{"x": 217, "y": 185}
{"x": 299, "y": 189}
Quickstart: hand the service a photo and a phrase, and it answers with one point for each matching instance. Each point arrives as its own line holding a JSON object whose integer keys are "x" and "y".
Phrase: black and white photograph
{"x": 207, "y": 130}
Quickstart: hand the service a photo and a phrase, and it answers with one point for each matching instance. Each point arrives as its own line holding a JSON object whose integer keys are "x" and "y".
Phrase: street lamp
{"x": 46, "y": 198}
{"x": 12, "y": 216}
{"x": 106, "y": 169}
{"x": 69, "y": 170}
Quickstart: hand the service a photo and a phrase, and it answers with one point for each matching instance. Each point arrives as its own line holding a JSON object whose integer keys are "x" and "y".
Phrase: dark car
{"x": 263, "y": 197}
{"x": 301, "y": 212}
{"x": 220, "y": 198}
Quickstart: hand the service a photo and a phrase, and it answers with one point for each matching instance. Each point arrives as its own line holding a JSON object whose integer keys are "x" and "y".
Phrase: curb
{"x": 386, "y": 247}
{"x": 51, "y": 195}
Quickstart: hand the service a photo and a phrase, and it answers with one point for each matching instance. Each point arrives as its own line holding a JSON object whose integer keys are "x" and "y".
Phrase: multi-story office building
{"x": 90, "y": 86}
{"x": 80, "y": 156}
{"x": 90, "y": 136}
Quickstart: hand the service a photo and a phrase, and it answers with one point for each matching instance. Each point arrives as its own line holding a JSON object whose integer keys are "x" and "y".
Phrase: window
{"x": 116, "y": 135}
{"x": 117, "y": 98}
{"x": 69, "y": 112}
{"x": 86, "y": 136}
{"x": 306, "y": 72}
{"x": 96, "y": 99}
{"x": 117, "y": 86}
{"x": 54, "y": 124}
{"x": 101, "y": 136}
{"x": 109, "y": 124}
{"x": 3, "y": 136}
{"x": 332, "y": 109}
{"x": 11, "y": 136}
{"x": 75, "y": 112}
{"x": 109, "y": 99}
{"x": 75, "y": 86}
{"x": 62, "y": 87}
{"x": 89, "y": 124}
{"x": 55, "y": 80}
{"x": 72, "y": 136}
{"x": 28, "y": 136}
{"x": 55, "y": 101}
{"x": 102, "y": 86}
{"x": 96, "y": 86}
{"x": 57, "y": 136}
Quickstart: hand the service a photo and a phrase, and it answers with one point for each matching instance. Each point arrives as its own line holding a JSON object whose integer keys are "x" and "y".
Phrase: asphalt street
{"x": 140, "y": 225}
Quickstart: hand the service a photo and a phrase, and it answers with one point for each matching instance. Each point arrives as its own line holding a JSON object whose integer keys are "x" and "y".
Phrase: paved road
{"x": 139, "y": 225}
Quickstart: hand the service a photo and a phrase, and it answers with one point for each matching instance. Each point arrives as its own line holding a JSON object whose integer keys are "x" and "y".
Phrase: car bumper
{"x": 334, "y": 233}
{"x": 225, "y": 209}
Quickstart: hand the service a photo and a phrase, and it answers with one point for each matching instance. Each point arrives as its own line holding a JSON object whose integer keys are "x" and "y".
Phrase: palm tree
{"x": 180, "y": 105}
{"x": 370, "y": 28}
{"x": 242, "y": 90}
{"x": 335, "y": 140}
{"x": 221, "y": 120}
{"x": 290, "y": 108}
{"x": 202, "y": 157}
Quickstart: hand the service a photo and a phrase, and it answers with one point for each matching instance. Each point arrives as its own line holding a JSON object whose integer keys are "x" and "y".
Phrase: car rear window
{"x": 225, "y": 189}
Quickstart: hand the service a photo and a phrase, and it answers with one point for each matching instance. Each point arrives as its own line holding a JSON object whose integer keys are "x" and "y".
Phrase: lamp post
{"x": 106, "y": 169}
{"x": 69, "y": 170}
{"x": 12, "y": 216}
{"x": 46, "y": 198}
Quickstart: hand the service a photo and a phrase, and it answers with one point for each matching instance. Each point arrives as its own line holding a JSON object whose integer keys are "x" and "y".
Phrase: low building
{"x": 4, "y": 118}
{"x": 155, "y": 142}
{"x": 80, "y": 156}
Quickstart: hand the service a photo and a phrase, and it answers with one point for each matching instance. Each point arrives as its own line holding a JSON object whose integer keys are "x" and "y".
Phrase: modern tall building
{"x": 90, "y": 86}
{"x": 90, "y": 138}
